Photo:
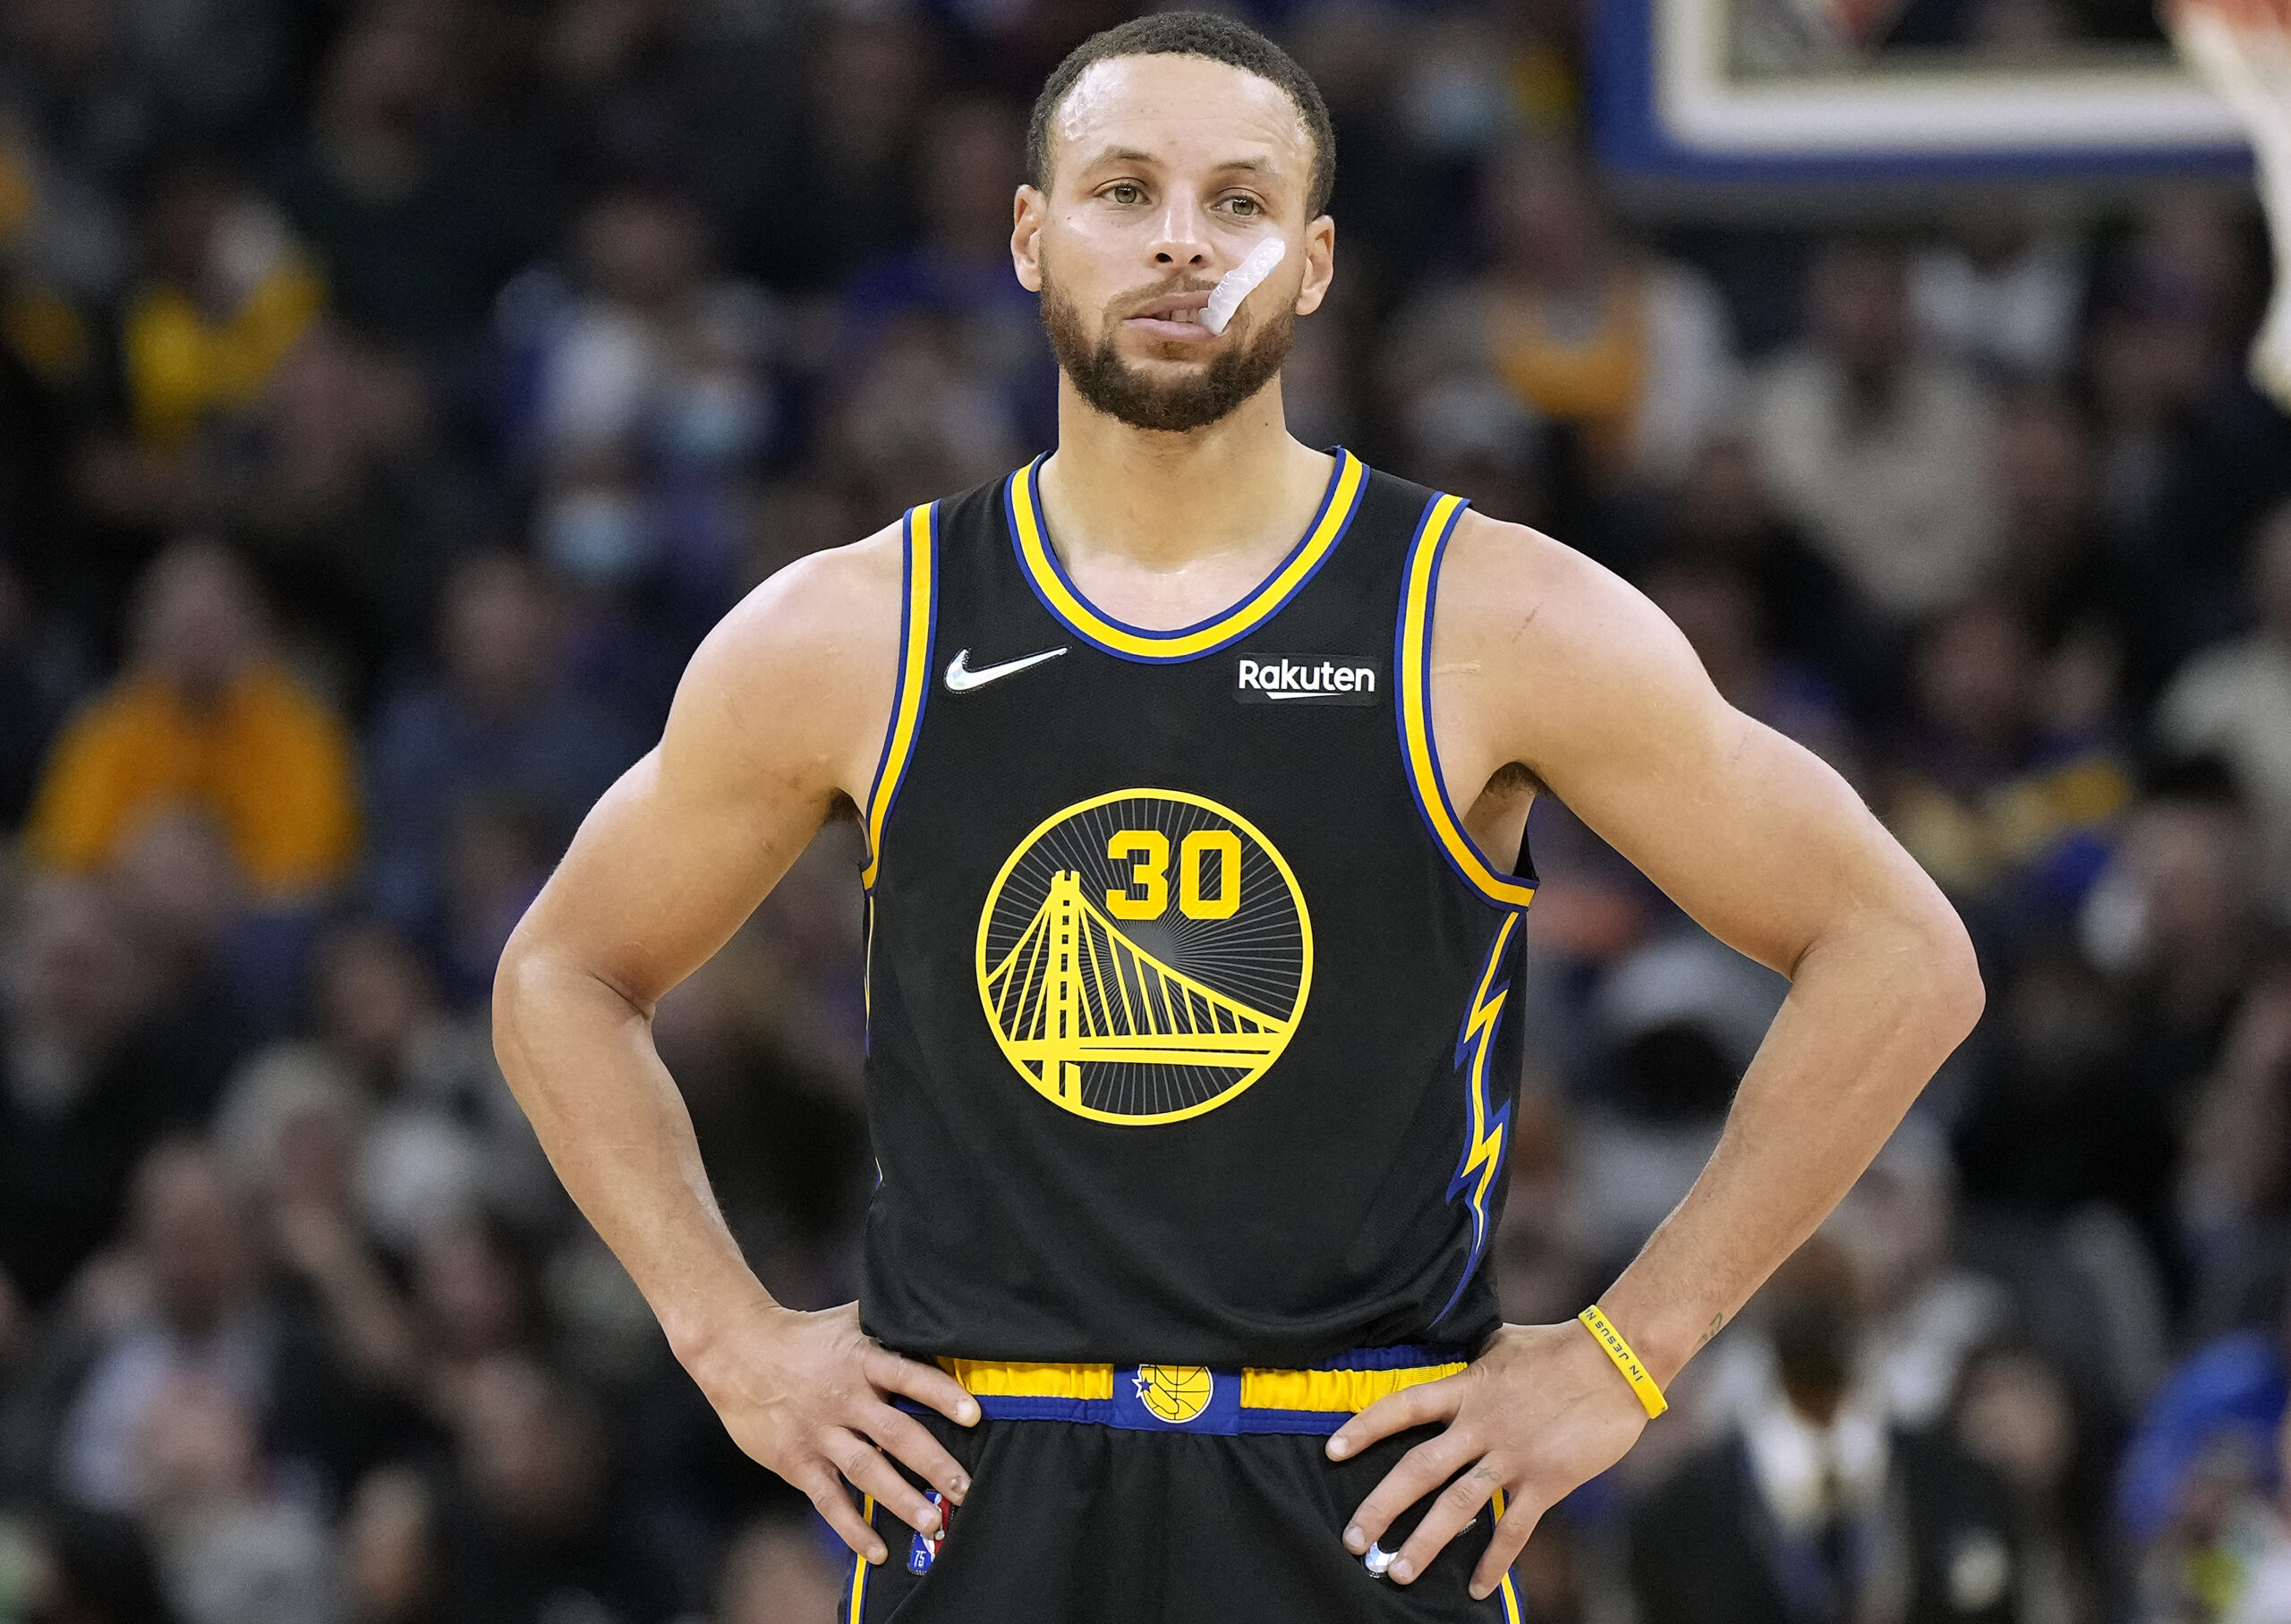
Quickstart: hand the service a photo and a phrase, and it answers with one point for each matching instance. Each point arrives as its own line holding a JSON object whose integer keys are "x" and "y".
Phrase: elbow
{"x": 512, "y": 989}
{"x": 1950, "y": 973}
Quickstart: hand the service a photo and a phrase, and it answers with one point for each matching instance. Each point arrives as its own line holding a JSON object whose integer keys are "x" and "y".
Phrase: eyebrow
{"x": 1132, "y": 155}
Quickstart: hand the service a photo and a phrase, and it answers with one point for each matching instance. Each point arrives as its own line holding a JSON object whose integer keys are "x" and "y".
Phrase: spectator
{"x": 1577, "y": 323}
{"x": 389, "y": 1551}
{"x": 2002, "y": 292}
{"x": 228, "y": 1551}
{"x": 2232, "y": 1392}
{"x": 2171, "y": 921}
{"x": 187, "y": 1302}
{"x": 1813, "y": 1507}
{"x": 2055, "y": 564}
{"x": 1921, "y": 1312}
{"x": 2192, "y": 462}
{"x": 203, "y": 716}
{"x": 1722, "y": 515}
{"x": 2005, "y": 809}
{"x": 2234, "y": 701}
{"x": 89, "y": 1567}
{"x": 1878, "y": 447}
{"x": 655, "y": 398}
{"x": 497, "y": 721}
{"x": 2058, "y": 1121}
{"x": 1717, "y": 609}
{"x": 87, "y": 1090}
{"x": 348, "y": 503}
{"x": 416, "y": 235}
{"x": 2235, "y": 1192}
{"x": 919, "y": 418}
{"x": 227, "y": 295}
{"x": 841, "y": 191}
{"x": 973, "y": 158}
{"x": 89, "y": 123}
{"x": 529, "y": 1535}
{"x": 442, "y": 1138}
{"x": 2013, "y": 1414}
{"x": 2266, "y": 1592}
{"x": 656, "y": 356}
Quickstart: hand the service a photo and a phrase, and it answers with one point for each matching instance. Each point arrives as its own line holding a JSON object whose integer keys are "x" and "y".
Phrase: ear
{"x": 1027, "y": 211}
{"x": 1320, "y": 265}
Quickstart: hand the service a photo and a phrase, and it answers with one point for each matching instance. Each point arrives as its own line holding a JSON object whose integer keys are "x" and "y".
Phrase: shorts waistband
{"x": 1195, "y": 1399}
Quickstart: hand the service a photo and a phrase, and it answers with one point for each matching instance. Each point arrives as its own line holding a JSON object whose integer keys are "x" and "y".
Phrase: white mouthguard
{"x": 1239, "y": 283}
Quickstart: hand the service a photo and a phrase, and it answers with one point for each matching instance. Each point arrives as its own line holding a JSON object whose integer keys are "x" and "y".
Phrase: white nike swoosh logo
{"x": 962, "y": 679}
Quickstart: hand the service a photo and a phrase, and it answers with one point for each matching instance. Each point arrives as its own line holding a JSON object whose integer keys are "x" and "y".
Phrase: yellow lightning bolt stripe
{"x": 1484, "y": 1148}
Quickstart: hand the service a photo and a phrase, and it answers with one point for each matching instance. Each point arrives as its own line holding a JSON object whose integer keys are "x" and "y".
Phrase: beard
{"x": 1129, "y": 395}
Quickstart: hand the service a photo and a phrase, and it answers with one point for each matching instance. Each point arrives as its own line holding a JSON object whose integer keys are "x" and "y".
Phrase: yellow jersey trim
{"x": 919, "y": 606}
{"x": 1412, "y": 657}
{"x": 1067, "y": 605}
{"x": 859, "y": 1565}
{"x": 1510, "y": 1597}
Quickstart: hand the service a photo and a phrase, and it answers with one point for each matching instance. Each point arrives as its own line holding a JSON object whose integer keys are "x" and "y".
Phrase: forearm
{"x": 579, "y": 1057}
{"x": 1872, "y": 1013}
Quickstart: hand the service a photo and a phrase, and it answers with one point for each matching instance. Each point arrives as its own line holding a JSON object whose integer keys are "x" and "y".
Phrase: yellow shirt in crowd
{"x": 269, "y": 763}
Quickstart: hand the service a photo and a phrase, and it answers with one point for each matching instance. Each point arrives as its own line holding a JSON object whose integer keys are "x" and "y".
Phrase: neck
{"x": 1165, "y": 500}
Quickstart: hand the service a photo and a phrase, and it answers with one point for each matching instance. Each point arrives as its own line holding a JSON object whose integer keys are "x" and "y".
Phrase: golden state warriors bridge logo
{"x": 1143, "y": 957}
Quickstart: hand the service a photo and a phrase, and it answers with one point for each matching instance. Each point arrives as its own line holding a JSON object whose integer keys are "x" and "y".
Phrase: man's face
{"x": 1167, "y": 172}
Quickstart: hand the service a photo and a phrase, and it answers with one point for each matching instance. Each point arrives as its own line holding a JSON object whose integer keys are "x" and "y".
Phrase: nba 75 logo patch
{"x": 1308, "y": 679}
{"x": 925, "y": 1550}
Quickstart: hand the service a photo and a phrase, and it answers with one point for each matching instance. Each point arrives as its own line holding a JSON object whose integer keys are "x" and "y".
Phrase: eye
{"x": 1248, "y": 209}
{"x": 1126, "y": 192}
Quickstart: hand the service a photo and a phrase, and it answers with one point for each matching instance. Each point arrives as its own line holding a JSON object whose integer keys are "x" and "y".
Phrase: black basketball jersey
{"x": 1187, "y": 990}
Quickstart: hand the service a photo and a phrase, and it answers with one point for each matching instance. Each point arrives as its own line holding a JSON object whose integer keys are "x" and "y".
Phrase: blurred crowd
{"x": 392, "y": 392}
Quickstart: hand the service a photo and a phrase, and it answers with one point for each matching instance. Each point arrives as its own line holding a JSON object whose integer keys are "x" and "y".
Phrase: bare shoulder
{"x": 796, "y": 681}
{"x": 1551, "y": 649}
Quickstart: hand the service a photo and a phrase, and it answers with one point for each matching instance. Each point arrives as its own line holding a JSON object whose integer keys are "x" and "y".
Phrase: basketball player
{"x": 1192, "y": 763}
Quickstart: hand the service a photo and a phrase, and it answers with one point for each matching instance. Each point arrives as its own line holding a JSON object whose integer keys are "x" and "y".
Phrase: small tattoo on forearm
{"x": 1717, "y": 1321}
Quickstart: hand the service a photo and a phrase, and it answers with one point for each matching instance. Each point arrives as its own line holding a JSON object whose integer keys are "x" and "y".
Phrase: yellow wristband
{"x": 1651, "y": 1397}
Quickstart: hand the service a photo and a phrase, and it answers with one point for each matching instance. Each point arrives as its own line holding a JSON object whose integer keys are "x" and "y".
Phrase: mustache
{"x": 1128, "y": 303}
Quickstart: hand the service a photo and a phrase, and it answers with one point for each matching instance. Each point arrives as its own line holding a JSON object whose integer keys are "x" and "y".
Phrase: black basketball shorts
{"x": 1071, "y": 1522}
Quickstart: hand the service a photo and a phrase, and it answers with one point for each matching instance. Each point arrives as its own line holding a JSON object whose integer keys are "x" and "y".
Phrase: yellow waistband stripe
{"x": 1007, "y": 1378}
{"x": 1347, "y": 1391}
{"x": 1333, "y": 1389}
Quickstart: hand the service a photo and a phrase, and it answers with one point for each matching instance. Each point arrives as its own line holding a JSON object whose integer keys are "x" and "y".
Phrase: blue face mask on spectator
{"x": 598, "y": 537}
{"x": 716, "y": 422}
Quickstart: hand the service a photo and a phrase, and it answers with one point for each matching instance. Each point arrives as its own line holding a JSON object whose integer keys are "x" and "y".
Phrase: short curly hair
{"x": 1203, "y": 34}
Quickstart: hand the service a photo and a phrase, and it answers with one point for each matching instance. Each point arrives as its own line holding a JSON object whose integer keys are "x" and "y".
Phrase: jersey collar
{"x": 1039, "y": 564}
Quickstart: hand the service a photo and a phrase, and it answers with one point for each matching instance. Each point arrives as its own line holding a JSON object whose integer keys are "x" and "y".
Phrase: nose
{"x": 1181, "y": 236}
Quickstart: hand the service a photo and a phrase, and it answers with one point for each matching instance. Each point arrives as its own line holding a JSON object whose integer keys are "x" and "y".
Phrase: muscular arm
{"x": 781, "y": 713}
{"x": 1576, "y": 678}
{"x": 1544, "y": 659}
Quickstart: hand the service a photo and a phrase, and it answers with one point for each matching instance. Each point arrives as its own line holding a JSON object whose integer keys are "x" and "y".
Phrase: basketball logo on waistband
{"x": 1174, "y": 1393}
{"x": 1143, "y": 957}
